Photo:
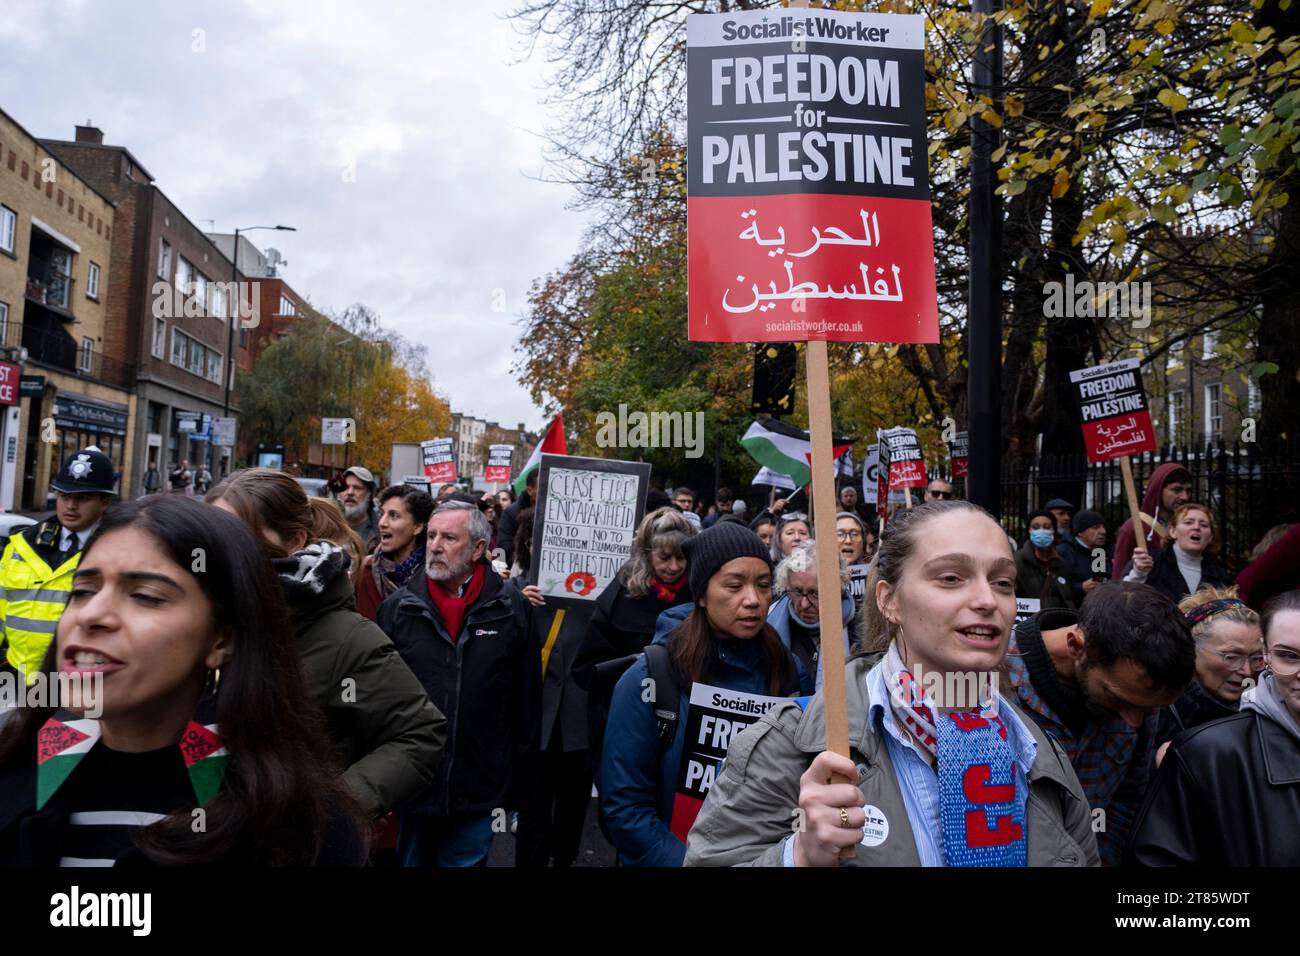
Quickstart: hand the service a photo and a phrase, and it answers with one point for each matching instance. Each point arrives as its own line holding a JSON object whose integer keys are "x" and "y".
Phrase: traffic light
{"x": 774, "y": 369}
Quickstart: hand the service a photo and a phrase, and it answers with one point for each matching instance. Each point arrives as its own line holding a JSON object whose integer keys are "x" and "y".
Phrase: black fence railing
{"x": 1249, "y": 486}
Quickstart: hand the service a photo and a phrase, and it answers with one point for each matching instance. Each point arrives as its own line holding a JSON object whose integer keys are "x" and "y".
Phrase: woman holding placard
{"x": 947, "y": 771}
{"x": 722, "y": 649}
{"x": 653, "y": 580}
{"x": 1189, "y": 563}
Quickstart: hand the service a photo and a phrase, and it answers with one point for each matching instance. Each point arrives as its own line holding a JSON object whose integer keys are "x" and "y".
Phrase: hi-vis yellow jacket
{"x": 35, "y": 581}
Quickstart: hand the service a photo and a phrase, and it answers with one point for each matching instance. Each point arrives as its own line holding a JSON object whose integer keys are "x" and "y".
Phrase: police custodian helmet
{"x": 85, "y": 472}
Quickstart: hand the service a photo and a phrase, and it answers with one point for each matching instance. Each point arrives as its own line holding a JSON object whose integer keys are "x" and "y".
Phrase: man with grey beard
{"x": 357, "y": 501}
{"x": 465, "y": 634}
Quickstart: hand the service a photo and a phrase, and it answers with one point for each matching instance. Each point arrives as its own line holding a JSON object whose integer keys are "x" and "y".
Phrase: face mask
{"x": 1042, "y": 538}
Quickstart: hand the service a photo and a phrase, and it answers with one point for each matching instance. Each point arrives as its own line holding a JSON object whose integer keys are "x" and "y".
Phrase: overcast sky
{"x": 262, "y": 117}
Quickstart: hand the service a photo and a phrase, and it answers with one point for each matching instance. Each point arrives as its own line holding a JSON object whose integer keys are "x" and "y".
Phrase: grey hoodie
{"x": 1267, "y": 699}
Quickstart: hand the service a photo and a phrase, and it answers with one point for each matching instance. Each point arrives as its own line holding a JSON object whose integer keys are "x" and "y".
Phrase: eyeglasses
{"x": 945, "y": 495}
{"x": 794, "y": 516}
{"x": 848, "y": 535}
{"x": 798, "y": 596}
{"x": 1283, "y": 663}
{"x": 1235, "y": 661}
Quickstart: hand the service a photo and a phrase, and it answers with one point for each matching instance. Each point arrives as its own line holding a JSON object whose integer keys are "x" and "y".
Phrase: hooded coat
{"x": 388, "y": 735}
{"x": 1124, "y": 540}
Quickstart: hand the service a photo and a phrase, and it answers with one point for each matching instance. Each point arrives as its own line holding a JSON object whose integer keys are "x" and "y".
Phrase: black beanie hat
{"x": 713, "y": 547}
{"x": 1086, "y": 519}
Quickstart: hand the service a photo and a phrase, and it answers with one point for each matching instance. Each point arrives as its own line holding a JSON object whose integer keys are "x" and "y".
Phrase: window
{"x": 201, "y": 290}
{"x": 196, "y": 357}
{"x": 286, "y": 307}
{"x": 214, "y": 367}
{"x": 1208, "y": 342}
{"x": 1253, "y": 401}
{"x": 159, "y": 337}
{"x": 60, "y": 278}
{"x": 180, "y": 343}
{"x": 1213, "y": 413}
{"x": 184, "y": 275}
{"x": 87, "y": 353}
{"x": 92, "y": 281}
{"x": 8, "y": 228}
{"x": 4, "y": 322}
{"x": 218, "y": 300}
{"x": 164, "y": 259}
{"x": 1177, "y": 416}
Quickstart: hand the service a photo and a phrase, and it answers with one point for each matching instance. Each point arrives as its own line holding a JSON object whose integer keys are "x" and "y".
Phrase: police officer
{"x": 36, "y": 570}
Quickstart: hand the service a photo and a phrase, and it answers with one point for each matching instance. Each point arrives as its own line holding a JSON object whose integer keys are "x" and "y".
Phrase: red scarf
{"x": 666, "y": 592}
{"x": 452, "y": 608}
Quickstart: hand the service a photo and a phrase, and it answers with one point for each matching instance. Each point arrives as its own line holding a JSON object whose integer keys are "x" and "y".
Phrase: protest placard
{"x": 959, "y": 454}
{"x": 1116, "y": 423}
{"x": 587, "y": 512}
{"x": 858, "y": 574}
{"x": 808, "y": 204}
{"x": 438, "y": 461}
{"x": 500, "y": 461}
{"x": 713, "y": 719}
{"x": 906, "y": 463}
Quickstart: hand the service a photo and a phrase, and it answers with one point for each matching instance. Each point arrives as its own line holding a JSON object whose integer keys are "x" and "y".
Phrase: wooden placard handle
{"x": 1130, "y": 491}
{"x": 834, "y": 700}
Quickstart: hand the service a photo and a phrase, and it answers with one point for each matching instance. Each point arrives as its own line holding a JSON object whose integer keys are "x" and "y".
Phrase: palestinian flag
{"x": 60, "y": 744}
{"x": 66, "y": 738}
{"x": 552, "y": 443}
{"x": 785, "y": 449}
{"x": 205, "y": 759}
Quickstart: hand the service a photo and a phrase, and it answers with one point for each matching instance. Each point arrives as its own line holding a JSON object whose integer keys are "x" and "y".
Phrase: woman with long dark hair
{"x": 722, "y": 640}
{"x": 389, "y": 736}
{"x": 203, "y": 714}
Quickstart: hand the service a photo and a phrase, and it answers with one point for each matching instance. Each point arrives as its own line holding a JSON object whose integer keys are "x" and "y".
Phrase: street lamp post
{"x": 230, "y": 332}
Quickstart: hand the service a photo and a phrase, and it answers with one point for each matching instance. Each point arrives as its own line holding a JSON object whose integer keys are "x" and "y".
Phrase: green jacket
{"x": 387, "y": 733}
{"x": 749, "y": 811}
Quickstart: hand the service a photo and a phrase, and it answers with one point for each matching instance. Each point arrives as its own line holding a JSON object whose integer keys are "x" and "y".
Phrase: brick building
{"x": 169, "y": 307}
{"x": 58, "y": 234}
{"x": 279, "y": 306}
{"x": 471, "y": 439}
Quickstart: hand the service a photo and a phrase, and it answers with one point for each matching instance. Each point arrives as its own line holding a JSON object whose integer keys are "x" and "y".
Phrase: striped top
{"x": 112, "y": 793}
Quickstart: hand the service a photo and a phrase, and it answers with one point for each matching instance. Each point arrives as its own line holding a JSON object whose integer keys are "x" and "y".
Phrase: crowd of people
{"x": 372, "y": 679}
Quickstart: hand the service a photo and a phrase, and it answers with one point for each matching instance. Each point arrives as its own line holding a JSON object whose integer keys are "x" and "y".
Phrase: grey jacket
{"x": 751, "y": 807}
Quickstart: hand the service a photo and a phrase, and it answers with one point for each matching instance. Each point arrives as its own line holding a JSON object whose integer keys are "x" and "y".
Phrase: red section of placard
{"x": 959, "y": 467}
{"x": 907, "y": 474}
{"x": 685, "y": 810}
{"x": 794, "y": 268}
{"x": 496, "y": 475}
{"x": 1129, "y": 434}
{"x": 441, "y": 473}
